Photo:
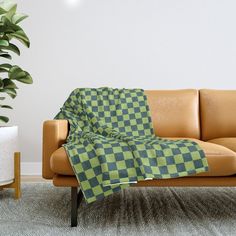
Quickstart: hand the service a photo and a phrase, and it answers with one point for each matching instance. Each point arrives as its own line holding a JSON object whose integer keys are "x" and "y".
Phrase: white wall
{"x": 158, "y": 44}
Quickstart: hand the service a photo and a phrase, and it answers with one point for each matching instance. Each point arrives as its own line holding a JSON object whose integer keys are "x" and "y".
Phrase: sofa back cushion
{"x": 218, "y": 113}
{"x": 175, "y": 113}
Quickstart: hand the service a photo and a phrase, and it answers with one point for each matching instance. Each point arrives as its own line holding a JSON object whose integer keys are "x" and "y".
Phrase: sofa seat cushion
{"x": 221, "y": 160}
{"x": 226, "y": 142}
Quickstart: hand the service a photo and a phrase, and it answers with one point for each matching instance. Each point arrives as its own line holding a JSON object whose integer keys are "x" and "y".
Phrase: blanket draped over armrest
{"x": 111, "y": 143}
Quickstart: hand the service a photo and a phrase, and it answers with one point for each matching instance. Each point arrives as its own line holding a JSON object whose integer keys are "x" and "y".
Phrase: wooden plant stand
{"x": 17, "y": 183}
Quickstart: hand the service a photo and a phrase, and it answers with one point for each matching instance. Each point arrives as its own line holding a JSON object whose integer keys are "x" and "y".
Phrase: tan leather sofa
{"x": 206, "y": 116}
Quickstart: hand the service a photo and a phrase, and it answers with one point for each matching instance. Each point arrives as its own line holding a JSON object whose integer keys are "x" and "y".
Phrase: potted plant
{"x": 10, "y": 75}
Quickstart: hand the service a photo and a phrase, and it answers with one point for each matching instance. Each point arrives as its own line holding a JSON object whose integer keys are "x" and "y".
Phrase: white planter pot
{"x": 8, "y": 145}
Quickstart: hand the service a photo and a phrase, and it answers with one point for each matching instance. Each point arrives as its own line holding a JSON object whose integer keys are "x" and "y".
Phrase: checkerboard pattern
{"x": 111, "y": 143}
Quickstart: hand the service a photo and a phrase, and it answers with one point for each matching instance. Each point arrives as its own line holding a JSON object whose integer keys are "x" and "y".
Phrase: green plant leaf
{"x": 14, "y": 71}
{"x": 11, "y": 12}
{"x": 7, "y": 56}
{"x": 11, "y": 92}
{"x": 7, "y": 5}
{"x": 3, "y": 70}
{"x": 12, "y": 48}
{"x": 2, "y": 11}
{"x": 25, "y": 79}
{"x": 4, "y": 42}
{"x": 1, "y": 83}
{"x": 5, "y": 65}
{"x": 7, "y": 83}
{"x": 9, "y": 26}
{"x": 20, "y": 74}
{"x": 6, "y": 106}
{"x": 18, "y": 17}
{"x": 4, "y": 119}
{"x": 5, "y": 30}
{"x": 22, "y": 37}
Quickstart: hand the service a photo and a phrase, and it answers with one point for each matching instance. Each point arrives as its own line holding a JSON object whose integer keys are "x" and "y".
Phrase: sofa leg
{"x": 76, "y": 199}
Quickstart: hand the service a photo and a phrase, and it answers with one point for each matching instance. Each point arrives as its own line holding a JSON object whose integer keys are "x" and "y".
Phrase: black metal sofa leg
{"x": 76, "y": 199}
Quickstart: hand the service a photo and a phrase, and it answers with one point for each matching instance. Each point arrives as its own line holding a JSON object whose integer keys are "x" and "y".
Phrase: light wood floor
{"x": 33, "y": 178}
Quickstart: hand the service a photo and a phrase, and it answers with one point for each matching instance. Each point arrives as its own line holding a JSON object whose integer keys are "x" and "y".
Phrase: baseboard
{"x": 31, "y": 168}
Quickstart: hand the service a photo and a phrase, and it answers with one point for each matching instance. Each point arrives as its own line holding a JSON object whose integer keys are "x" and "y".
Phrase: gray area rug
{"x": 45, "y": 210}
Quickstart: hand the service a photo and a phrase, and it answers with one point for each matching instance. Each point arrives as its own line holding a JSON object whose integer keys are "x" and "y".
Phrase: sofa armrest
{"x": 55, "y": 133}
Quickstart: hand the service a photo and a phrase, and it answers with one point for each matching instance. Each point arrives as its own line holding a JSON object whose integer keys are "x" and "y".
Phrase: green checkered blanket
{"x": 111, "y": 143}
